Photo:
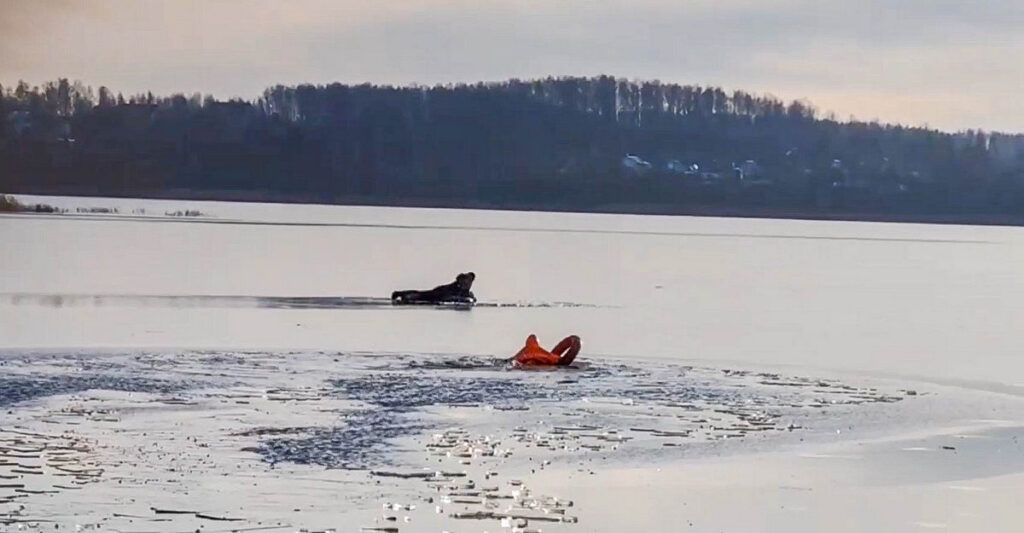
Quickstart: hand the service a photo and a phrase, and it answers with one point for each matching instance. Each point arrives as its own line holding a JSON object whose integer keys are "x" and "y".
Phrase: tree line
{"x": 559, "y": 143}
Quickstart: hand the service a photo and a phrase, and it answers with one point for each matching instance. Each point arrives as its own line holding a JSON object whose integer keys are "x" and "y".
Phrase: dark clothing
{"x": 454, "y": 292}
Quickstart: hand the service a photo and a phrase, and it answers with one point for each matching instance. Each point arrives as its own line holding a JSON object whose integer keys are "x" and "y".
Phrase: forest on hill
{"x": 567, "y": 143}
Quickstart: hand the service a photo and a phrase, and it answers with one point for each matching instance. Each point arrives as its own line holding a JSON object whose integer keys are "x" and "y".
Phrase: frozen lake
{"x": 242, "y": 370}
{"x": 915, "y": 300}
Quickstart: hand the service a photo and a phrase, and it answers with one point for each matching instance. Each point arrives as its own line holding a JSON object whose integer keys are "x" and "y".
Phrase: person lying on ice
{"x": 454, "y": 292}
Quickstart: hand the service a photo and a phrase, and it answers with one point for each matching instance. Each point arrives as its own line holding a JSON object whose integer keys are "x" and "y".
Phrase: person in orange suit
{"x": 534, "y": 355}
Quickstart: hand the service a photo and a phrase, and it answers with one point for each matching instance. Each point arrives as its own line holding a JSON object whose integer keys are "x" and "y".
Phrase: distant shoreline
{"x": 784, "y": 213}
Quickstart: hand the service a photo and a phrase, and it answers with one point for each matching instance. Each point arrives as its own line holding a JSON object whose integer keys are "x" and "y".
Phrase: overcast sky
{"x": 951, "y": 64}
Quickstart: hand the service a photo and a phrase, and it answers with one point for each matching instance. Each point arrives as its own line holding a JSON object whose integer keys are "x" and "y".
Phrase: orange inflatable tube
{"x": 534, "y": 355}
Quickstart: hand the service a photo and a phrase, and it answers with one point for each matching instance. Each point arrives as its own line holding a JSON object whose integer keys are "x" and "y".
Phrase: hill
{"x": 582, "y": 144}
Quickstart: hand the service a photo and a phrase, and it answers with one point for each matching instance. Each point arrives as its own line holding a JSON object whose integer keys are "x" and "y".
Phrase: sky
{"x": 948, "y": 64}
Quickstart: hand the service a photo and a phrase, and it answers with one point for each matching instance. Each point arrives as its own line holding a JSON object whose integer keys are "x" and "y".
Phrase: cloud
{"x": 947, "y": 63}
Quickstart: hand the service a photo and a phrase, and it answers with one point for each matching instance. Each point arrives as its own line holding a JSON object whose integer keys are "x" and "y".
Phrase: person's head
{"x": 465, "y": 280}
